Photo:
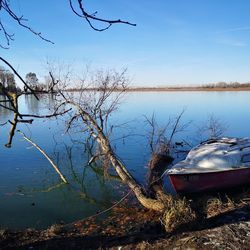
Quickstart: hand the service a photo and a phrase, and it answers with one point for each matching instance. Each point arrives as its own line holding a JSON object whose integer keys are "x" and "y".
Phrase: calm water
{"x": 31, "y": 194}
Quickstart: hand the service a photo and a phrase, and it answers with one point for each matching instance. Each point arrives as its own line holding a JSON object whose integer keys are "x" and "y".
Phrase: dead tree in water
{"x": 161, "y": 146}
{"x": 92, "y": 108}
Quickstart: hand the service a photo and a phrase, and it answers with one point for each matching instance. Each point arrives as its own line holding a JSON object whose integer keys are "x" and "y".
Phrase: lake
{"x": 31, "y": 193}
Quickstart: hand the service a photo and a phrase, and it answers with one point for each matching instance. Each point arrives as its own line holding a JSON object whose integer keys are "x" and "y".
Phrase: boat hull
{"x": 198, "y": 182}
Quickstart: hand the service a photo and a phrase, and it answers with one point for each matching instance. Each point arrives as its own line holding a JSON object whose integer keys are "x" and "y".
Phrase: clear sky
{"x": 175, "y": 41}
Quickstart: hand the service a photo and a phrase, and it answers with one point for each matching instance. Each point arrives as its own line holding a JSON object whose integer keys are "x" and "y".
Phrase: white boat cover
{"x": 215, "y": 155}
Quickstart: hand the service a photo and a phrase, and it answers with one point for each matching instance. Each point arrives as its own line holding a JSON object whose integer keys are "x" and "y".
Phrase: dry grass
{"x": 216, "y": 205}
{"x": 178, "y": 213}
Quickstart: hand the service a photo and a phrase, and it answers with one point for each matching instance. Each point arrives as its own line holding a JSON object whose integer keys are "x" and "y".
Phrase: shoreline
{"x": 155, "y": 89}
{"x": 186, "y": 89}
{"x": 171, "y": 89}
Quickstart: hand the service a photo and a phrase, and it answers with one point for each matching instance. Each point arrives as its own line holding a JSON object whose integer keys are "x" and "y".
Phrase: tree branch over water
{"x": 82, "y": 13}
{"x": 5, "y": 6}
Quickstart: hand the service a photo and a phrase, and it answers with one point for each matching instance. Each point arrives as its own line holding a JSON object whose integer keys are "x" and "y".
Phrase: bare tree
{"x": 100, "y": 96}
{"x": 163, "y": 148}
{"x": 60, "y": 75}
{"x": 94, "y": 106}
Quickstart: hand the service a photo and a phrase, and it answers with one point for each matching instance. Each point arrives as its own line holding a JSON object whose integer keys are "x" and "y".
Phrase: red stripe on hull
{"x": 197, "y": 182}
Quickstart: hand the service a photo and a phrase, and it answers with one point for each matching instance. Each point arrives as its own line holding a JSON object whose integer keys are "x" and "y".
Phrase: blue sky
{"x": 175, "y": 41}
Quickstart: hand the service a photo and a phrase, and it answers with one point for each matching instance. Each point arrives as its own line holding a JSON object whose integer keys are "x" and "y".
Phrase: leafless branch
{"x": 4, "y": 123}
{"x": 176, "y": 128}
{"x": 3, "y": 106}
{"x": 6, "y": 6}
{"x": 8, "y": 37}
{"x": 92, "y": 17}
{"x": 212, "y": 128}
{"x": 55, "y": 114}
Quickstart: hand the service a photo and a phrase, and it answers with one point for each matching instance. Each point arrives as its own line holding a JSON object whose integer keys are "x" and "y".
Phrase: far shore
{"x": 168, "y": 89}
{"x": 155, "y": 89}
{"x": 163, "y": 89}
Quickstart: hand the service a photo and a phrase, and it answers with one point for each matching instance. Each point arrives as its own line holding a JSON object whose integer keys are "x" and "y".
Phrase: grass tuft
{"x": 178, "y": 213}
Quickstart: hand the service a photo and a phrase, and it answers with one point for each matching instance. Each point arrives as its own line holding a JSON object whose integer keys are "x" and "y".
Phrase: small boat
{"x": 214, "y": 164}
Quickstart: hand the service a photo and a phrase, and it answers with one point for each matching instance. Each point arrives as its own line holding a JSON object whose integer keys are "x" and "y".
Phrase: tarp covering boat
{"x": 213, "y": 164}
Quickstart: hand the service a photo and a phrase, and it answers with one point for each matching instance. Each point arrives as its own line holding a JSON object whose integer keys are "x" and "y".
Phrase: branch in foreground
{"x": 55, "y": 114}
{"x": 92, "y": 17}
{"x": 5, "y": 5}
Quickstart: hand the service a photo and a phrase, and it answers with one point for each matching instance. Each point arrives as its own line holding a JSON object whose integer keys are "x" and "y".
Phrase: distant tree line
{"x": 227, "y": 85}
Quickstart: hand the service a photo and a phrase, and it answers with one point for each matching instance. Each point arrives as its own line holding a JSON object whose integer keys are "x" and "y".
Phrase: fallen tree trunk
{"x": 156, "y": 204}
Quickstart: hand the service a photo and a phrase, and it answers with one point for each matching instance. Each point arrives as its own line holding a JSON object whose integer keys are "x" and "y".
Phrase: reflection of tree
{"x": 81, "y": 177}
{"x": 212, "y": 128}
{"x": 36, "y": 107}
{"x": 18, "y": 117}
{"x": 4, "y": 109}
{"x": 32, "y": 104}
{"x": 43, "y": 190}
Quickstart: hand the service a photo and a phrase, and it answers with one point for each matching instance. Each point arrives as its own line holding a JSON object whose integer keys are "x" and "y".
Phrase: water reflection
{"x": 4, "y": 112}
{"x": 29, "y": 104}
{"x": 25, "y": 171}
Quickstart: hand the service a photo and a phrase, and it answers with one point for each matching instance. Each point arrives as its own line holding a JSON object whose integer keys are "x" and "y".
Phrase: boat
{"x": 213, "y": 165}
